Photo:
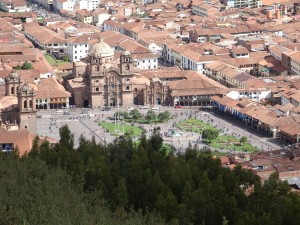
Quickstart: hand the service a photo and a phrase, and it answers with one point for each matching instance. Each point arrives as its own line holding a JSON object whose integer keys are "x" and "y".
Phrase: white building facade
{"x": 89, "y": 4}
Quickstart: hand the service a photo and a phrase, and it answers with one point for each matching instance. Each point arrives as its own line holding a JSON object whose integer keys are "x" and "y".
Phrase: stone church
{"x": 104, "y": 79}
{"x": 100, "y": 81}
{"x": 18, "y": 106}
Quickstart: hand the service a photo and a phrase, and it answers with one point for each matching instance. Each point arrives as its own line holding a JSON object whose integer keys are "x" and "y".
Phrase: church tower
{"x": 100, "y": 56}
{"x": 27, "y": 108}
{"x": 12, "y": 83}
{"x": 126, "y": 70}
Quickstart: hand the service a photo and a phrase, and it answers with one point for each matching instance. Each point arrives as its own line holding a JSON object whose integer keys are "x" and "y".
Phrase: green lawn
{"x": 54, "y": 62}
{"x": 231, "y": 142}
{"x": 50, "y": 60}
{"x": 223, "y": 141}
{"x": 113, "y": 129}
{"x": 193, "y": 125}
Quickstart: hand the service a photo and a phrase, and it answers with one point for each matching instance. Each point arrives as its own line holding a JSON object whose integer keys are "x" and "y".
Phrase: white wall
{"x": 147, "y": 63}
{"x": 89, "y": 4}
{"x": 77, "y": 51}
{"x": 256, "y": 95}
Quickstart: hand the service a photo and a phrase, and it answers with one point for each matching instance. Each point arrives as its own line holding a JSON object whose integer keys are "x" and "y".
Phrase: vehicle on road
{"x": 144, "y": 107}
{"x": 59, "y": 111}
{"x": 130, "y": 109}
{"x": 105, "y": 109}
{"x": 178, "y": 106}
{"x": 155, "y": 108}
{"x": 67, "y": 113}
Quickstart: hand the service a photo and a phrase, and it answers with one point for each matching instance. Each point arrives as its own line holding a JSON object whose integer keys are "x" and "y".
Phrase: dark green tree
{"x": 210, "y": 134}
{"x": 150, "y": 116}
{"x": 27, "y": 66}
{"x": 243, "y": 140}
{"x": 135, "y": 114}
{"x": 164, "y": 116}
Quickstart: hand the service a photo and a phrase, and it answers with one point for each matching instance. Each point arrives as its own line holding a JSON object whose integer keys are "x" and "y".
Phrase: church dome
{"x": 101, "y": 49}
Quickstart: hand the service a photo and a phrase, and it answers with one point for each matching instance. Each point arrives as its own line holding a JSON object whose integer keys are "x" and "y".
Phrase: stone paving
{"x": 81, "y": 124}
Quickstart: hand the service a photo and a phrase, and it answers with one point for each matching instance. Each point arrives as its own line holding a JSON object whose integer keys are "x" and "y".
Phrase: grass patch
{"x": 231, "y": 142}
{"x": 223, "y": 141}
{"x": 112, "y": 128}
{"x": 54, "y": 62}
{"x": 193, "y": 125}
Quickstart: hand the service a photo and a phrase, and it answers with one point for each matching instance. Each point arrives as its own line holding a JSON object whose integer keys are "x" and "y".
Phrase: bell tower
{"x": 126, "y": 63}
{"x": 12, "y": 83}
{"x": 126, "y": 68}
{"x": 27, "y": 108}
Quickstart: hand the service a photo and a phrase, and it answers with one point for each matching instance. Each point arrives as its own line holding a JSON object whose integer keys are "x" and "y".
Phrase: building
{"x": 101, "y": 81}
{"x": 204, "y": 9}
{"x": 243, "y": 3}
{"x": 67, "y": 5}
{"x": 18, "y": 108}
{"x": 14, "y": 6}
{"x": 78, "y": 47}
{"x": 295, "y": 63}
{"x": 89, "y": 4}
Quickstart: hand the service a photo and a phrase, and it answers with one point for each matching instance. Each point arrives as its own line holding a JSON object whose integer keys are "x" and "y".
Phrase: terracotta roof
{"x": 19, "y": 138}
{"x": 50, "y": 88}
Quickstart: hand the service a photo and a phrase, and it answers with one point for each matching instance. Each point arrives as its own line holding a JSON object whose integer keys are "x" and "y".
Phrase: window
{"x": 143, "y": 61}
{"x": 155, "y": 60}
{"x": 97, "y": 89}
{"x": 75, "y": 46}
{"x": 75, "y": 52}
{"x": 75, "y": 57}
{"x": 127, "y": 88}
{"x": 97, "y": 81}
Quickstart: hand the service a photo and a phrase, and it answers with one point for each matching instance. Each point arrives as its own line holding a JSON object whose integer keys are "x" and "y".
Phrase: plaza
{"x": 50, "y": 121}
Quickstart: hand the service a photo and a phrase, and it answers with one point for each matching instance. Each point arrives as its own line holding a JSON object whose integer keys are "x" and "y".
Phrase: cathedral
{"x": 105, "y": 78}
{"x": 100, "y": 81}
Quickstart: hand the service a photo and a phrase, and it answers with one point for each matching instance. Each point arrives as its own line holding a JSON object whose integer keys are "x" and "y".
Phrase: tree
{"x": 135, "y": 114}
{"x": 18, "y": 67}
{"x": 66, "y": 58}
{"x": 210, "y": 134}
{"x": 123, "y": 114}
{"x": 243, "y": 140}
{"x": 27, "y": 66}
{"x": 66, "y": 138}
{"x": 150, "y": 116}
{"x": 164, "y": 116}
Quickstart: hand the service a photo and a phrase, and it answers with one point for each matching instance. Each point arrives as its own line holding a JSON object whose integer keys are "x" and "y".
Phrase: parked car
{"x": 105, "y": 109}
{"x": 144, "y": 107}
{"x": 155, "y": 108}
{"x": 130, "y": 109}
{"x": 67, "y": 113}
{"x": 178, "y": 106}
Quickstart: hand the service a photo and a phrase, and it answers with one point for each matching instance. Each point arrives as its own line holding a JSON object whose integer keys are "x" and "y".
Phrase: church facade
{"x": 18, "y": 106}
{"x": 101, "y": 81}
